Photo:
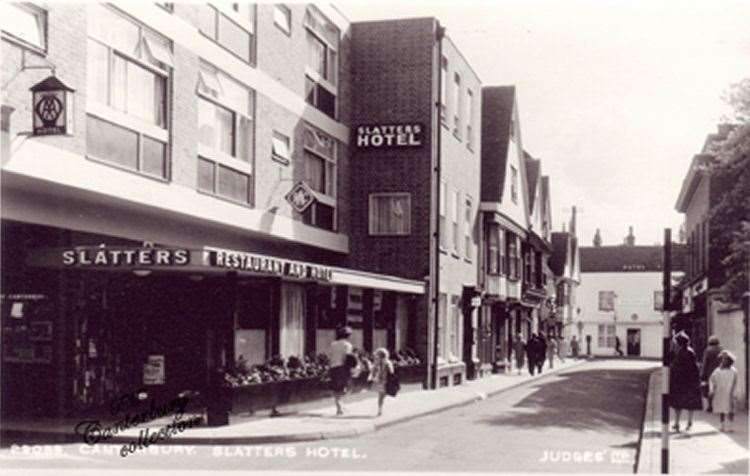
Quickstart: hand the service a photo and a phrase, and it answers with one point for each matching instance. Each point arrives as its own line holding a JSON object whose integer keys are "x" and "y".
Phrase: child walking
{"x": 381, "y": 369}
{"x": 722, "y": 388}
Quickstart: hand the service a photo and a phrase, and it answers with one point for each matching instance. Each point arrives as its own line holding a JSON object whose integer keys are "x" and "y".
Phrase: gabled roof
{"x": 497, "y": 116}
{"x": 559, "y": 252}
{"x": 533, "y": 166}
{"x": 692, "y": 179}
{"x": 618, "y": 259}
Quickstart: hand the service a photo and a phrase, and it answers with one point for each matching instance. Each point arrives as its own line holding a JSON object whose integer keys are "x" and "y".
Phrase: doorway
{"x": 634, "y": 342}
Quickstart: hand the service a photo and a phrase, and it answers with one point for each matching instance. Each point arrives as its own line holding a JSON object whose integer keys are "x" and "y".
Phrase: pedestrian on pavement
{"x": 684, "y": 381}
{"x": 723, "y": 389}
{"x": 340, "y": 352}
{"x": 541, "y": 352}
{"x": 381, "y": 370}
{"x": 562, "y": 349}
{"x": 532, "y": 352}
{"x": 519, "y": 349}
{"x": 618, "y": 346}
{"x": 711, "y": 361}
{"x": 551, "y": 351}
{"x": 574, "y": 347}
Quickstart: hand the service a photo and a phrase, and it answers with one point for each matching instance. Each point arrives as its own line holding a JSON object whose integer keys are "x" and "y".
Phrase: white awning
{"x": 350, "y": 277}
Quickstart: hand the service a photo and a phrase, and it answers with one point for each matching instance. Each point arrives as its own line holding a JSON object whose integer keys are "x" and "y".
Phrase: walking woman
{"x": 340, "y": 372}
{"x": 519, "y": 349}
{"x": 382, "y": 368}
{"x": 711, "y": 361}
{"x": 684, "y": 382}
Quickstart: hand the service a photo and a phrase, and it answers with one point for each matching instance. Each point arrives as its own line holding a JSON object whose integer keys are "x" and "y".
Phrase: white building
{"x": 617, "y": 294}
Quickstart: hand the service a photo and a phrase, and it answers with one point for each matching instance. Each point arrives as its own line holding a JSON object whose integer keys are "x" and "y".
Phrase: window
{"x": 513, "y": 127}
{"x": 606, "y": 301}
{"x": 454, "y": 330}
{"x": 493, "y": 249}
{"x": 127, "y": 70}
{"x": 320, "y": 97}
{"x": 225, "y": 111}
{"x": 281, "y": 148}
{"x": 514, "y": 184}
{"x": 514, "y": 259}
{"x": 443, "y": 89}
{"x": 606, "y": 335}
{"x": 320, "y": 174}
{"x": 442, "y": 231}
{"x": 390, "y": 213}
{"x": 25, "y": 22}
{"x": 282, "y": 18}
{"x": 468, "y": 227}
{"x": 456, "y": 103}
{"x": 224, "y": 182}
{"x": 323, "y": 43}
{"x": 443, "y": 350}
{"x": 469, "y": 118}
{"x": 234, "y": 31}
{"x": 455, "y": 214}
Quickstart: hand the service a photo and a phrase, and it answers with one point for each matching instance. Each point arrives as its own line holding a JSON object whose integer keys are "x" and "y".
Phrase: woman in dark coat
{"x": 710, "y": 362}
{"x": 684, "y": 382}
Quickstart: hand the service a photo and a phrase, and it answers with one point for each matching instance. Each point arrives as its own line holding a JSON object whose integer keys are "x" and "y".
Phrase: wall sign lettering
{"x": 381, "y": 136}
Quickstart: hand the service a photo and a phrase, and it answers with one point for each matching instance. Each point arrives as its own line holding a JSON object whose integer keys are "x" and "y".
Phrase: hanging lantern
{"x": 52, "y": 104}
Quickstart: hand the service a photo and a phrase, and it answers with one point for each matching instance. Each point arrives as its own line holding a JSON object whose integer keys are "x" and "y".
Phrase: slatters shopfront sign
{"x": 125, "y": 257}
{"x": 385, "y": 136}
{"x": 268, "y": 265}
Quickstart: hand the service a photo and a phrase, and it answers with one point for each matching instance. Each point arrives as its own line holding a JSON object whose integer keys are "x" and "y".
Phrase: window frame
{"x": 287, "y": 145}
{"x": 443, "y": 213}
{"x": 39, "y": 13}
{"x": 250, "y": 27}
{"x": 372, "y": 198}
{"x": 215, "y": 184}
{"x": 514, "y": 184}
{"x": 287, "y": 12}
{"x": 456, "y": 219}
{"x": 443, "y": 100}
{"x": 469, "y": 119}
{"x": 457, "y": 105}
{"x": 468, "y": 227}
{"x": 108, "y": 112}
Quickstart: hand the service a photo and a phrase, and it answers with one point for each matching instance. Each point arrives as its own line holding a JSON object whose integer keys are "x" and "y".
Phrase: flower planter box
{"x": 250, "y": 399}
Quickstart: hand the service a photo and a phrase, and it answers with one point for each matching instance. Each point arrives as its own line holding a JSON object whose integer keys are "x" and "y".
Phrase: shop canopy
{"x": 209, "y": 260}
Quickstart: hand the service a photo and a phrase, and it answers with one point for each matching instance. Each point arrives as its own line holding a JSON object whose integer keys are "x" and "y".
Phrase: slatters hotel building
{"x": 187, "y": 185}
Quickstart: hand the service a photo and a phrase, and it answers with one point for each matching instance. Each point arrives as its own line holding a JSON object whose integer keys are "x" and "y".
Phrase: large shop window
{"x": 390, "y": 214}
{"x": 252, "y": 321}
{"x": 606, "y": 336}
{"x": 292, "y": 324}
{"x": 233, "y": 30}
{"x": 25, "y": 22}
{"x": 320, "y": 174}
{"x": 322, "y": 61}
{"x": 128, "y": 67}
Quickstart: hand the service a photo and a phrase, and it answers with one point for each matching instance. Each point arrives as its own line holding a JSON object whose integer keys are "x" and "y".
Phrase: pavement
{"x": 703, "y": 450}
{"x": 314, "y": 424}
{"x": 580, "y": 419}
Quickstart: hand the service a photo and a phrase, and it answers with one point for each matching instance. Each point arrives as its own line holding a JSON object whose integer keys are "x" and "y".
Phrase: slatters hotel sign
{"x": 384, "y": 136}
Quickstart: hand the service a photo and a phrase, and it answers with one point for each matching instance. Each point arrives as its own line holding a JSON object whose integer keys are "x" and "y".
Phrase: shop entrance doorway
{"x": 634, "y": 342}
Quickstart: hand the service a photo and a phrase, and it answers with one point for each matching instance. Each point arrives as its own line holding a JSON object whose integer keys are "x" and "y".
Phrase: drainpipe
{"x": 435, "y": 248}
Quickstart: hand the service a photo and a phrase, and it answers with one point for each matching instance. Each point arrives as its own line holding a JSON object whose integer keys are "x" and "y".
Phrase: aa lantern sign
{"x": 52, "y": 105}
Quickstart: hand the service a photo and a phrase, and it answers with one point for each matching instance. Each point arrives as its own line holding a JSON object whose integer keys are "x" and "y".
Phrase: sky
{"x": 615, "y": 97}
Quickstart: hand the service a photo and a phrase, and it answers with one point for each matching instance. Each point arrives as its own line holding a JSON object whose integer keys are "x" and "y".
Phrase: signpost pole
{"x": 666, "y": 306}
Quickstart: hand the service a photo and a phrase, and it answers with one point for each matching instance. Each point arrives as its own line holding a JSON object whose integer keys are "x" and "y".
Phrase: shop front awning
{"x": 212, "y": 260}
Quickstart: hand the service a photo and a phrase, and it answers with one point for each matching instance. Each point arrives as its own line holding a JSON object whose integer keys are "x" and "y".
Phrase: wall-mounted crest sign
{"x": 383, "y": 136}
{"x": 52, "y": 105}
{"x": 300, "y": 197}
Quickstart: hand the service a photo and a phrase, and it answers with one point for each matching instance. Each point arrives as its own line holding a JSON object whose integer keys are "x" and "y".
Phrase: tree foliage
{"x": 730, "y": 215}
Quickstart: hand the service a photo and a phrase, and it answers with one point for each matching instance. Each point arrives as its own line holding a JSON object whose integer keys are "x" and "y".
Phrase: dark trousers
{"x": 532, "y": 366}
{"x": 619, "y": 351}
{"x": 539, "y": 365}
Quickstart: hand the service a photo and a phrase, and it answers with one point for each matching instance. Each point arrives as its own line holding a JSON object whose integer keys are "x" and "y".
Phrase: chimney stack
{"x": 630, "y": 239}
{"x": 598, "y": 238}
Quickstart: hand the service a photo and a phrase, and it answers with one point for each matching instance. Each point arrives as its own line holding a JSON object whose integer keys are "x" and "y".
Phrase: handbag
{"x": 392, "y": 384}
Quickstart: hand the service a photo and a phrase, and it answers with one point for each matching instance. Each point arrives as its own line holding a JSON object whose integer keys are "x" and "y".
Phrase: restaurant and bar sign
{"x": 268, "y": 265}
{"x": 382, "y": 136}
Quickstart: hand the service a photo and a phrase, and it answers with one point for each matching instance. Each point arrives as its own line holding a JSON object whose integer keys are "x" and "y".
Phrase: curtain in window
{"x": 316, "y": 55}
{"x": 315, "y": 172}
{"x": 292, "y": 324}
{"x": 391, "y": 214}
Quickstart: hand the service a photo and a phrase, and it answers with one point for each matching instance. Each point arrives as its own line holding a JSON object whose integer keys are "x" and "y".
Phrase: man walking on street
{"x": 532, "y": 353}
{"x": 618, "y": 346}
{"x": 542, "y": 351}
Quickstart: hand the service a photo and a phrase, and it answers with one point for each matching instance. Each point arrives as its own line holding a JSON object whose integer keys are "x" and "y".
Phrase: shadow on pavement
{"x": 610, "y": 400}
